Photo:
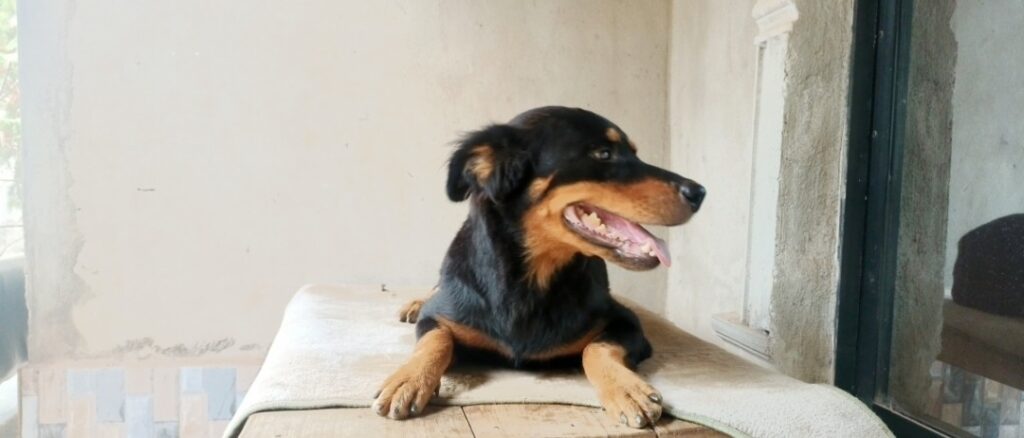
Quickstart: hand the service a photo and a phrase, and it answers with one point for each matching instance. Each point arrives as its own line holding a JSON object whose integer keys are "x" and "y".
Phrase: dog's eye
{"x": 603, "y": 154}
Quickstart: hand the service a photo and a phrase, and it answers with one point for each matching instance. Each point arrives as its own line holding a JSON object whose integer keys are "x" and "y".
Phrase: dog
{"x": 554, "y": 194}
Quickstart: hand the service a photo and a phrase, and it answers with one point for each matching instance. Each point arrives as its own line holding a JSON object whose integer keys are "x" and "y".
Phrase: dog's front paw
{"x": 410, "y": 312}
{"x": 629, "y": 400}
{"x": 405, "y": 393}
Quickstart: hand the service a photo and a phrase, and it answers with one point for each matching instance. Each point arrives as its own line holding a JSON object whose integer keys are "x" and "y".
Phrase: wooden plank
{"x": 672, "y": 428}
{"x": 970, "y": 354}
{"x": 540, "y": 420}
{"x": 356, "y": 423}
{"x": 482, "y": 421}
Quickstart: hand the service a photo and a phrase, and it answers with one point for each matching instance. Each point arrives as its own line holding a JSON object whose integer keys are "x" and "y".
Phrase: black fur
{"x": 483, "y": 278}
{"x": 510, "y": 165}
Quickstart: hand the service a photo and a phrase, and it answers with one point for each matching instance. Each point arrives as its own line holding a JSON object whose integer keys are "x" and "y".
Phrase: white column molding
{"x": 775, "y": 20}
{"x": 774, "y": 17}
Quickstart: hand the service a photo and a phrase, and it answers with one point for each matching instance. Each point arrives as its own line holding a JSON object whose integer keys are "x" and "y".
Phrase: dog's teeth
{"x": 652, "y": 254}
{"x": 592, "y": 220}
{"x": 646, "y": 247}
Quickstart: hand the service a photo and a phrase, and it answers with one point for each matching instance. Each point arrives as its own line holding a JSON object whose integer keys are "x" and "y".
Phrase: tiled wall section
{"x": 979, "y": 406}
{"x": 131, "y": 401}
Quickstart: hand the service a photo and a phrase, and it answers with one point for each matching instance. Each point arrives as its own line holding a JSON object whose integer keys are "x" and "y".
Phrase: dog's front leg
{"x": 409, "y": 389}
{"x": 410, "y": 312}
{"x": 625, "y": 396}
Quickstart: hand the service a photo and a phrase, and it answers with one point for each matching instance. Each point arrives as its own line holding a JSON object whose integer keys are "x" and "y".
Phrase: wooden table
{"x": 483, "y": 421}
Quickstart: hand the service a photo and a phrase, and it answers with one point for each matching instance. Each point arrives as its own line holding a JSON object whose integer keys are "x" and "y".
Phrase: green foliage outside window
{"x": 11, "y": 231}
{"x": 10, "y": 116}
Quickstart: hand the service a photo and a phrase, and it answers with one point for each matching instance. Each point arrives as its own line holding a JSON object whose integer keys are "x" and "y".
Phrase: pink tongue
{"x": 637, "y": 234}
{"x": 661, "y": 250}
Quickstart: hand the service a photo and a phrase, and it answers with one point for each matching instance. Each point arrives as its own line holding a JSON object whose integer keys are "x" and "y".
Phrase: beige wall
{"x": 712, "y": 64}
{"x": 190, "y": 164}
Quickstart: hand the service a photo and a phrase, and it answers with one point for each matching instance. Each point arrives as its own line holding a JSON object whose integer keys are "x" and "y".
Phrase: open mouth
{"x": 628, "y": 239}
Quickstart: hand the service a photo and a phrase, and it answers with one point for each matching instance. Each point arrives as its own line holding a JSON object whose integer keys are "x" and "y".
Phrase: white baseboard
{"x": 730, "y": 327}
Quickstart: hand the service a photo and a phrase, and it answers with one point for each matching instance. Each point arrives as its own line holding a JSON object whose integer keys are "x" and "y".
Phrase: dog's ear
{"x": 492, "y": 161}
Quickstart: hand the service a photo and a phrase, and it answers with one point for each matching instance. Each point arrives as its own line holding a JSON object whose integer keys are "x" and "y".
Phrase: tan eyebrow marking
{"x": 613, "y": 135}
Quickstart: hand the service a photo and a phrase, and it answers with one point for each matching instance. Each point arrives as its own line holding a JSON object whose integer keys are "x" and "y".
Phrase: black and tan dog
{"x": 553, "y": 194}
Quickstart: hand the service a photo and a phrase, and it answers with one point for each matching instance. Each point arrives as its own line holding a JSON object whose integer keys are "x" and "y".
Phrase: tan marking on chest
{"x": 473, "y": 338}
{"x": 572, "y": 348}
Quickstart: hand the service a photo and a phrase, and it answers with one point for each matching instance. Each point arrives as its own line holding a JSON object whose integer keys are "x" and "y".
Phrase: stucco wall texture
{"x": 190, "y": 164}
{"x": 811, "y": 183}
{"x": 917, "y": 307}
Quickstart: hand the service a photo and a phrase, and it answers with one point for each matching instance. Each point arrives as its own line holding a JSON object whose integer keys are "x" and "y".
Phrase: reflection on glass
{"x": 957, "y": 347}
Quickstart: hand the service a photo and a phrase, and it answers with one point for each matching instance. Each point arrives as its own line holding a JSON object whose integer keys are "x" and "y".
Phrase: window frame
{"x": 878, "y": 99}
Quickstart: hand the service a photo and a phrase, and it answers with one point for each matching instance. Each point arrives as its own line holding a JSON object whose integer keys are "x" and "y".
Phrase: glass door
{"x": 932, "y": 294}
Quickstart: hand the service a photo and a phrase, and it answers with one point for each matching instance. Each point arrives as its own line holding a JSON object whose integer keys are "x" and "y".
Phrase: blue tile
{"x": 165, "y": 429}
{"x": 110, "y": 395}
{"x": 239, "y": 397}
{"x": 81, "y": 383}
{"x": 138, "y": 416}
{"x": 191, "y": 380}
{"x": 29, "y": 416}
{"x": 219, "y": 386}
{"x": 51, "y": 431}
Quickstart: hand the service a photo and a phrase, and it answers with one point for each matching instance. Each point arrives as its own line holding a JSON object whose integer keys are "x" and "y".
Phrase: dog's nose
{"x": 693, "y": 193}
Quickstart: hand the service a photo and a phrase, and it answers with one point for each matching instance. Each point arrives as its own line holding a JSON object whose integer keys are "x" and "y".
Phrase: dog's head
{"x": 573, "y": 182}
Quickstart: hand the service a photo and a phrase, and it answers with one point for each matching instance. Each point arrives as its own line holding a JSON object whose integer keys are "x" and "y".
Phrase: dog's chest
{"x": 542, "y": 331}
